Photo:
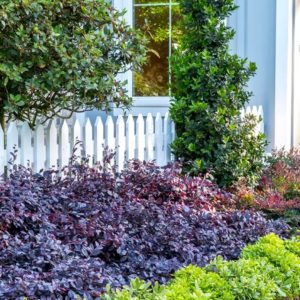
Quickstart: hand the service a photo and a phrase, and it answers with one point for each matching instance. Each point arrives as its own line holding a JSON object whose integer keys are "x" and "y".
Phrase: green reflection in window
{"x": 158, "y": 21}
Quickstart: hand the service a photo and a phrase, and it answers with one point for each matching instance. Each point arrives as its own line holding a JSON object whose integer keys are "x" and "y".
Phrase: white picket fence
{"x": 50, "y": 145}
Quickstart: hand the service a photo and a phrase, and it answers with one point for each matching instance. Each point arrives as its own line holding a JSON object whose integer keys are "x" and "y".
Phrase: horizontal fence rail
{"x": 51, "y": 145}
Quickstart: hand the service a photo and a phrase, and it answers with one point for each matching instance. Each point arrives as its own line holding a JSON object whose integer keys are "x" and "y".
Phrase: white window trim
{"x": 146, "y": 101}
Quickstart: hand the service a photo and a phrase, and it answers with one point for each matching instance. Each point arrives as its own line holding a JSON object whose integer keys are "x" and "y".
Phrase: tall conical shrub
{"x": 209, "y": 90}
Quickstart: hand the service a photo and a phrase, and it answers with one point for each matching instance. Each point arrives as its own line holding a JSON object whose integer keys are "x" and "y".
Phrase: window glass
{"x": 158, "y": 22}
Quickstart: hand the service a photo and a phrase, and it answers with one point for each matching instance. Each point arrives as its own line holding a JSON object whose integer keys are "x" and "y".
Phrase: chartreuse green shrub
{"x": 293, "y": 246}
{"x": 278, "y": 253}
{"x": 209, "y": 90}
{"x": 267, "y": 270}
{"x": 250, "y": 278}
{"x": 193, "y": 283}
{"x": 138, "y": 290}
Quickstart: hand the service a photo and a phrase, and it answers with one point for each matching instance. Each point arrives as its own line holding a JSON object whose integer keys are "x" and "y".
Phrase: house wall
{"x": 255, "y": 25}
{"x": 264, "y": 34}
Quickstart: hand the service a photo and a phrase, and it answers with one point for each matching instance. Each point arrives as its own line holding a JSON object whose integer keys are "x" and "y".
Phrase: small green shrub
{"x": 138, "y": 290}
{"x": 250, "y": 278}
{"x": 273, "y": 248}
{"x": 209, "y": 90}
{"x": 193, "y": 283}
{"x": 293, "y": 246}
{"x": 268, "y": 270}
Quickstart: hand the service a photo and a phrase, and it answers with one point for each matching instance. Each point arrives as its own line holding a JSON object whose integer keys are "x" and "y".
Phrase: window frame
{"x": 139, "y": 101}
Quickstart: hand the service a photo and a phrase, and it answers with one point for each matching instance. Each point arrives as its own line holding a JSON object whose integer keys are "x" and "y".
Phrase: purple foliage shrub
{"x": 65, "y": 237}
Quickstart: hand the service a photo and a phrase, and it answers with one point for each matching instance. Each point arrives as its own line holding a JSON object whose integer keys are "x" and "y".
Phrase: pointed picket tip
{"x": 64, "y": 125}
{"x": 76, "y": 123}
{"x": 12, "y": 130}
{"x": 52, "y": 124}
{"x": 140, "y": 117}
{"x": 98, "y": 129}
{"x": 88, "y": 122}
{"x": 120, "y": 119}
{"x": 109, "y": 121}
{"x": 248, "y": 110}
{"x": 98, "y": 122}
{"x": 255, "y": 110}
{"x": 260, "y": 110}
{"x": 25, "y": 127}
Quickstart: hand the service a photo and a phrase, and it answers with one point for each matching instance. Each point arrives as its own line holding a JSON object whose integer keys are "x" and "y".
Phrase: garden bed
{"x": 73, "y": 236}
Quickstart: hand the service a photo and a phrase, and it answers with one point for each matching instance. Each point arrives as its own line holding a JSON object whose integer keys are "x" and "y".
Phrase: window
{"x": 158, "y": 20}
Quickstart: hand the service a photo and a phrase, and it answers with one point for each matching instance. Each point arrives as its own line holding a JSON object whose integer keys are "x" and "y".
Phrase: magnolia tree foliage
{"x": 209, "y": 89}
{"x": 63, "y": 55}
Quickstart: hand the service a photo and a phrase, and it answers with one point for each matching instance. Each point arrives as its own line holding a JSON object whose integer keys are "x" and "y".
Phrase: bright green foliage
{"x": 193, "y": 283}
{"x": 250, "y": 279}
{"x": 268, "y": 270}
{"x": 273, "y": 249}
{"x": 293, "y": 246}
{"x": 209, "y": 90}
{"x": 138, "y": 290}
{"x": 63, "y": 55}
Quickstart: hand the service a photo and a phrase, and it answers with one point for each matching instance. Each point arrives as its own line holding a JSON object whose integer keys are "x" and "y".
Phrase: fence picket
{"x": 109, "y": 133}
{"x": 140, "y": 137}
{"x": 12, "y": 143}
{"x": 99, "y": 140}
{"x": 158, "y": 140}
{"x": 64, "y": 144}
{"x": 130, "y": 142}
{"x": 26, "y": 147}
{"x": 120, "y": 143}
{"x": 173, "y": 136}
{"x": 76, "y": 137}
{"x": 88, "y": 142}
{"x": 167, "y": 138}
{"x": 52, "y": 147}
{"x": 39, "y": 150}
{"x": 149, "y": 137}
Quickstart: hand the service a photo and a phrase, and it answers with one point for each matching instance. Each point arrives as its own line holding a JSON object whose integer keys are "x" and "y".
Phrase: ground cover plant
{"x": 267, "y": 270}
{"x": 209, "y": 91}
{"x": 65, "y": 237}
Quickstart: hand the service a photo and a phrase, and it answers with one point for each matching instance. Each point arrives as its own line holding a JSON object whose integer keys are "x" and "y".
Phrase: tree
{"x": 63, "y": 55}
{"x": 210, "y": 89}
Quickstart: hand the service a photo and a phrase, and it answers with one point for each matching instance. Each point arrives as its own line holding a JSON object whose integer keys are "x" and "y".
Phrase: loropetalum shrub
{"x": 261, "y": 273}
{"x": 209, "y": 88}
{"x": 65, "y": 237}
